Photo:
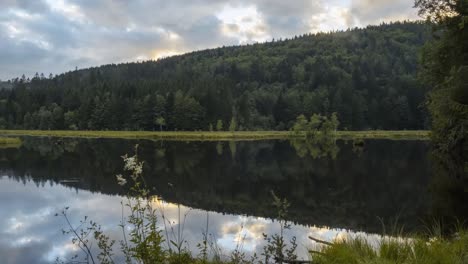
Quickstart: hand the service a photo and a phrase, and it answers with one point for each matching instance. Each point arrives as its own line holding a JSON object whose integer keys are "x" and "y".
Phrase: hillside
{"x": 368, "y": 76}
{"x": 5, "y": 85}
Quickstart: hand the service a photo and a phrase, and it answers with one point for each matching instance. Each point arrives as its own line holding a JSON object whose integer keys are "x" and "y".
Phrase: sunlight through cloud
{"x": 243, "y": 23}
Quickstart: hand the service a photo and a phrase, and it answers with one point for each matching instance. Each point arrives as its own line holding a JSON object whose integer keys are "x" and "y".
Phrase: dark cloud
{"x": 57, "y": 35}
{"x": 288, "y": 18}
{"x": 206, "y": 32}
{"x": 36, "y": 6}
{"x": 30, "y": 253}
{"x": 17, "y": 57}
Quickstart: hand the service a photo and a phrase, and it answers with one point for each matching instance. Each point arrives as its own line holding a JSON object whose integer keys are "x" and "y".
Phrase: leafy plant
{"x": 277, "y": 248}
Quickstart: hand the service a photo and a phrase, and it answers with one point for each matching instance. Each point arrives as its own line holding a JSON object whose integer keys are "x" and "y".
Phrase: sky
{"x": 55, "y": 36}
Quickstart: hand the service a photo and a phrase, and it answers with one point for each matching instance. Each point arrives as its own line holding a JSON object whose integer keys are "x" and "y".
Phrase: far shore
{"x": 218, "y": 135}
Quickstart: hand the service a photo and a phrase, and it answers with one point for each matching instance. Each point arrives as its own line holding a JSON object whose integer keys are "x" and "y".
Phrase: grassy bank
{"x": 386, "y": 134}
{"x": 215, "y": 136}
{"x": 425, "y": 250}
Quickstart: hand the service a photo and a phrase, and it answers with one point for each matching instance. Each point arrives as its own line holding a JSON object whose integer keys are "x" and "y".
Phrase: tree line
{"x": 367, "y": 76}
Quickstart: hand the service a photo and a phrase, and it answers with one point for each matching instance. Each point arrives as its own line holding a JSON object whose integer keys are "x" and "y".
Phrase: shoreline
{"x": 218, "y": 135}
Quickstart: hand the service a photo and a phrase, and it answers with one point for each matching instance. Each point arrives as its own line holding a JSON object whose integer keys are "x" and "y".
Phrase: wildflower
{"x": 431, "y": 241}
{"x": 121, "y": 180}
{"x": 138, "y": 168}
{"x": 130, "y": 163}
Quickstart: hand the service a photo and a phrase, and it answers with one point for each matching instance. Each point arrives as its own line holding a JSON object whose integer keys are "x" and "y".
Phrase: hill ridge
{"x": 368, "y": 76}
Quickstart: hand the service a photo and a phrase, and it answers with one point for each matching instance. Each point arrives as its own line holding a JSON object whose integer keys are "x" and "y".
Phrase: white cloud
{"x": 243, "y": 23}
{"x": 378, "y": 11}
{"x": 57, "y": 35}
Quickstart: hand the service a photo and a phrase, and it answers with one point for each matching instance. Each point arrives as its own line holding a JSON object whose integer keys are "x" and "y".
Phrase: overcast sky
{"x": 53, "y": 36}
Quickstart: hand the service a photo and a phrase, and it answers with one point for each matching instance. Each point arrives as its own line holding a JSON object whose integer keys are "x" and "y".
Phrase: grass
{"x": 386, "y": 134}
{"x": 9, "y": 141}
{"x": 216, "y": 135}
{"x": 422, "y": 250}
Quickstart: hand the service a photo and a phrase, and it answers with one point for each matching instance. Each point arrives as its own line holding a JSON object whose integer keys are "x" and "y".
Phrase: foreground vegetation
{"x": 434, "y": 249}
{"x": 218, "y": 135}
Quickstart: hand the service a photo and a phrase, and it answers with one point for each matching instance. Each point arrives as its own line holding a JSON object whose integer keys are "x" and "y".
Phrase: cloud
{"x": 243, "y": 23}
{"x": 30, "y": 253}
{"x": 376, "y": 11}
{"x": 57, "y": 35}
{"x": 30, "y": 6}
{"x": 286, "y": 18}
{"x": 30, "y": 233}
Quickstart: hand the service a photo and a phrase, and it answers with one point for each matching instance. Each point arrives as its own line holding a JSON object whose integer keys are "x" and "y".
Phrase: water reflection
{"x": 343, "y": 185}
{"x": 388, "y": 180}
{"x": 316, "y": 147}
{"x": 449, "y": 185}
{"x": 30, "y": 233}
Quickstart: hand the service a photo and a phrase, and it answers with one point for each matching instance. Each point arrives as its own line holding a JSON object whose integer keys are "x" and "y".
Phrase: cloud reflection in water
{"x": 30, "y": 233}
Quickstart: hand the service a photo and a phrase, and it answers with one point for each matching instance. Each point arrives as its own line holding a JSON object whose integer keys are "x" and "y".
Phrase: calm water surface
{"x": 346, "y": 189}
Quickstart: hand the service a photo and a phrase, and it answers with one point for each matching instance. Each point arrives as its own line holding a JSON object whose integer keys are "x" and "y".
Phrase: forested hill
{"x": 368, "y": 76}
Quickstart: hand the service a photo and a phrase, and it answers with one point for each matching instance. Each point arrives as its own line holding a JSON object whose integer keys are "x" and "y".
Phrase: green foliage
{"x": 367, "y": 76}
{"x": 300, "y": 125}
{"x": 316, "y": 137}
{"x": 276, "y": 248}
{"x": 445, "y": 69}
{"x": 219, "y": 125}
{"x": 347, "y": 251}
{"x": 145, "y": 238}
{"x": 160, "y": 121}
{"x": 316, "y": 147}
{"x": 318, "y": 126}
{"x": 434, "y": 250}
{"x": 105, "y": 245}
{"x": 315, "y": 122}
{"x": 329, "y": 125}
{"x": 187, "y": 113}
{"x": 70, "y": 120}
{"x": 233, "y": 125}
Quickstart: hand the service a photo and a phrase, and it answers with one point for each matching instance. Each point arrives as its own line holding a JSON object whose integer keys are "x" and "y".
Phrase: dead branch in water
{"x": 320, "y": 241}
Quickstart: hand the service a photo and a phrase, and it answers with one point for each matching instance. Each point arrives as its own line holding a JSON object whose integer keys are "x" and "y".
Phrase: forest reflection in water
{"x": 339, "y": 186}
{"x": 342, "y": 185}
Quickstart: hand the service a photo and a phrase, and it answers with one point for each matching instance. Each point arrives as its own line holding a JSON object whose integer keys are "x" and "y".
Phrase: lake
{"x": 346, "y": 189}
